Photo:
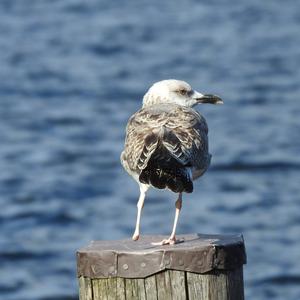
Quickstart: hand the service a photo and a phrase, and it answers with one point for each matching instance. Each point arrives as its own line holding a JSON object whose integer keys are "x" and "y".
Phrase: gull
{"x": 166, "y": 144}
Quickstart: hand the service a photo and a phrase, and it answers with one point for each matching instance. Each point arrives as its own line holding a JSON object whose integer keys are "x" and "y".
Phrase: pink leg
{"x": 172, "y": 239}
{"x": 140, "y": 206}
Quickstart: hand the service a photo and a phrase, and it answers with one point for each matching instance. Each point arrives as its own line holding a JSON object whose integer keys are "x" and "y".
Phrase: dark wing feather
{"x": 179, "y": 130}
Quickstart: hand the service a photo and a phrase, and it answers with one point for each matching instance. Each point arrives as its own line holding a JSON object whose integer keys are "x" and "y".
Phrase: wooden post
{"x": 200, "y": 267}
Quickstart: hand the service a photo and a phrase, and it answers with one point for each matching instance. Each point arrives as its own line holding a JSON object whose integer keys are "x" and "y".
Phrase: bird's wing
{"x": 180, "y": 129}
{"x": 140, "y": 141}
{"x": 186, "y": 137}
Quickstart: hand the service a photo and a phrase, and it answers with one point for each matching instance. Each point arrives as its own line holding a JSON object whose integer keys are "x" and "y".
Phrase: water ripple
{"x": 72, "y": 72}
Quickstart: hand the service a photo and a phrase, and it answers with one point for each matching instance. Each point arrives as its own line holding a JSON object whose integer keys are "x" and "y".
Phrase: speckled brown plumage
{"x": 164, "y": 144}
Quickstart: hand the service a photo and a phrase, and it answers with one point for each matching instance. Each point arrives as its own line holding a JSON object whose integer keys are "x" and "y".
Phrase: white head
{"x": 176, "y": 92}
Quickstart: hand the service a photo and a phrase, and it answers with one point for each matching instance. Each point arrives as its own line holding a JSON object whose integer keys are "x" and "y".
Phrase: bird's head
{"x": 177, "y": 92}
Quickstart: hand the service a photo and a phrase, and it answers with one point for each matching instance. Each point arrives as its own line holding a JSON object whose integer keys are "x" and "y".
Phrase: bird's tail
{"x": 164, "y": 171}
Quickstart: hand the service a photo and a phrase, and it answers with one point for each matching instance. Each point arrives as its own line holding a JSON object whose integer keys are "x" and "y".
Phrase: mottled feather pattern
{"x": 182, "y": 131}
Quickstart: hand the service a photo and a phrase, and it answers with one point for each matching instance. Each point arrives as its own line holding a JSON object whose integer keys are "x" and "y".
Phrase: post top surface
{"x": 197, "y": 253}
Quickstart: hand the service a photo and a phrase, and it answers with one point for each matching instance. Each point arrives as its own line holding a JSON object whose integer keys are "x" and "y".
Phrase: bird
{"x": 166, "y": 144}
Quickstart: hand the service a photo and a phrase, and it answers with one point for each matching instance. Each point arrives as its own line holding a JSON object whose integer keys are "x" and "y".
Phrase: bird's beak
{"x": 212, "y": 99}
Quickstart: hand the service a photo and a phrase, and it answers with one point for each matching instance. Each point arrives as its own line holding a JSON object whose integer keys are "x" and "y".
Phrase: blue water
{"x": 71, "y": 74}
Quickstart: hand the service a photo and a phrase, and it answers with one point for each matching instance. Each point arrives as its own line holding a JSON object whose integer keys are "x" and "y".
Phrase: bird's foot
{"x": 169, "y": 241}
{"x": 135, "y": 236}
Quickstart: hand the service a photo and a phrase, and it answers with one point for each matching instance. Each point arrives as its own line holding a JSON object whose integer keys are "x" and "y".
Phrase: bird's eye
{"x": 182, "y": 92}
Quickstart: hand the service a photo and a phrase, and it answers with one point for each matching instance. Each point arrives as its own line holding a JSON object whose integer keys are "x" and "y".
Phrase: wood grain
{"x": 216, "y": 285}
{"x": 167, "y": 285}
{"x": 85, "y": 288}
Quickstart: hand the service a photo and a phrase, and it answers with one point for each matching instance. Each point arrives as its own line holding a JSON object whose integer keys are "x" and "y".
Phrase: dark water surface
{"x": 72, "y": 72}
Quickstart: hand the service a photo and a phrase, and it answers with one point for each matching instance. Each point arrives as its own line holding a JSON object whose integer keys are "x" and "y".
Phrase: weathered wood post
{"x": 201, "y": 267}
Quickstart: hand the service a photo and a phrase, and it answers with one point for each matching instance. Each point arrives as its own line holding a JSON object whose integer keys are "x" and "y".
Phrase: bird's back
{"x": 164, "y": 144}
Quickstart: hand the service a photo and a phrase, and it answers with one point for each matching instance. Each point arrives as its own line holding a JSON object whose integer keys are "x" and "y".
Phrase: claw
{"x": 169, "y": 241}
{"x": 135, "y": 237}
